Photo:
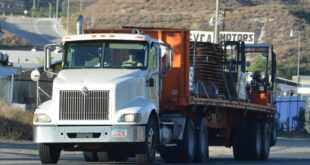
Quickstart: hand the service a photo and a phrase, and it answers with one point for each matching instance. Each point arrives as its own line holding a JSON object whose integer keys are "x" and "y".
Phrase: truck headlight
{"x": 41, "y": 118}
{"x": 130, "y": 117}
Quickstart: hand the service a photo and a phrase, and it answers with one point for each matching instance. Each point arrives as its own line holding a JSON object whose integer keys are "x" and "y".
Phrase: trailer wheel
{"x": 49, "y": 153}
{"x": 265, "y": 141}
{"x": 90, "y": 156}
{"x": 152, "y": 136}
{"x": 202, "y": 154}
{"x": 255, "y": 140}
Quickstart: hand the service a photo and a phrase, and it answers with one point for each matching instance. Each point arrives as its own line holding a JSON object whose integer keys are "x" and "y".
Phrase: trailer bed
{"x": 216, "y": 102}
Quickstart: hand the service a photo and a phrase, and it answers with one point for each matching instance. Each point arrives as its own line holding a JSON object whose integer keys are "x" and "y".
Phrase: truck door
{"x": 153, "y": 74}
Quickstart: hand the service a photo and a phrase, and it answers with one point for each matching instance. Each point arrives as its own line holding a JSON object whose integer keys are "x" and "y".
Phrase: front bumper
{"x": 89, "y": 134}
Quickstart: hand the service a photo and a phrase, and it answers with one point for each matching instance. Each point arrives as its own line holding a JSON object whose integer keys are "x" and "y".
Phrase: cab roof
{"x": 109, "y": 36}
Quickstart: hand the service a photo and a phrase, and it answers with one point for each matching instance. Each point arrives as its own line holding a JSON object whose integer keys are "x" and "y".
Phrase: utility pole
{"x": 50, "y": 9}
{"x": 216, "y": 26}
{"x": 292, "y": 34}
{"x": 68, "y": 15}
{"x": 33, "y": 4}
{"x": 298, "y": 57}
{"x": 57, "y": 9}
{"x": 81, "y": 5}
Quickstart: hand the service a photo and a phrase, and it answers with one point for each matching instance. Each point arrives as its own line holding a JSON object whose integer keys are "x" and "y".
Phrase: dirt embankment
{"x": 8, "y": 39}
{"x": 14, "y": 123}
{"x": 271, "y": 20}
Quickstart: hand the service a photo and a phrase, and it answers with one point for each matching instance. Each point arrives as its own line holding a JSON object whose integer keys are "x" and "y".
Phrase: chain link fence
{"x": 6, "y": 89}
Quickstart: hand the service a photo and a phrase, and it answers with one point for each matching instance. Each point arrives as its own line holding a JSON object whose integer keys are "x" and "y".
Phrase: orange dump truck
{"x": 160, "y": 93}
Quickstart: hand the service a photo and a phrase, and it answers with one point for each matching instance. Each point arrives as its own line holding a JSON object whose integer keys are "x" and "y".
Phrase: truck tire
{"x": 188, "y": 144}
{"x": 49, "y": 153}
{"x": 273, "y": 134}
{"x": 102, "y": 157}
{"x": 247, "y": 140}
{"x": 255, "y": 140}
{"x": 152, "y": 137}
{"x": 185, "y": 149}
{"x": 90, "y": 156}
{"x": 117, "y": 156}
{"x": 240, "y": 141}
{"x": 202, "y": 149}
{"x": 265, "y": 141}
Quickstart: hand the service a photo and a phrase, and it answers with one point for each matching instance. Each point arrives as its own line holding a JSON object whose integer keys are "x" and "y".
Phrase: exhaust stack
{"x": 79, "y": 25}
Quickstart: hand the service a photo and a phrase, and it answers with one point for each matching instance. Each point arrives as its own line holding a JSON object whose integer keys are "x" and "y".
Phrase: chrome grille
{"x": 76, "y": 105}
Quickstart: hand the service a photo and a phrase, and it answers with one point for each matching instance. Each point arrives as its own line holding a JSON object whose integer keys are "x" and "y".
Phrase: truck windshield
{"x": 105, "y": 54}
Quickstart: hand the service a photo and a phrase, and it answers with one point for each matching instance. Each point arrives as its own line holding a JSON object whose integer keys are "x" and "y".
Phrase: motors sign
{"x": 207, "y": 36}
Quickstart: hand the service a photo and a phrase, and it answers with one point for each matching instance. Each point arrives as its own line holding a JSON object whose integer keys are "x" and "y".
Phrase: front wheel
{"x": 90, "y": 156}
{"x": 49, "y": 153}
{"x": 152, "y": 136}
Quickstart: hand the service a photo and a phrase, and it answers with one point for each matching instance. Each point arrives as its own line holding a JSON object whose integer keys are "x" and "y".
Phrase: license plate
{"x": 84, "y": 135}
{"x": 119, "y": 132}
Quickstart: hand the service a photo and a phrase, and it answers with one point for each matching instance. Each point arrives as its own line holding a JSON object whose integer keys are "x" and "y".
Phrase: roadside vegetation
{"x": 15, "y": 124}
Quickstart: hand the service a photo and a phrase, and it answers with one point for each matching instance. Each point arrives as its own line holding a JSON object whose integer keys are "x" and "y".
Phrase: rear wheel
{"x": 202, "y": 154}
{"x": 152, "y": 136}
{"x": 247, "y": 141}
{"x": 255, "y": 140}
{"x": 185, "y": 149}
{"x": 265, "y": 141}
{"x": 90, "y": 156}
{"x": 49, "y": 153}
{"x": 240, "y": 141}
{"x": 273, "y": 135}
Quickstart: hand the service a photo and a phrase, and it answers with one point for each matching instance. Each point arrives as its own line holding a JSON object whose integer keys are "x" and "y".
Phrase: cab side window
{"x": 153, "y": 57}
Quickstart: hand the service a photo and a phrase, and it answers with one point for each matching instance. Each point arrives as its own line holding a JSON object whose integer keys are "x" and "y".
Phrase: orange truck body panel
{"x": 175, "y": 84}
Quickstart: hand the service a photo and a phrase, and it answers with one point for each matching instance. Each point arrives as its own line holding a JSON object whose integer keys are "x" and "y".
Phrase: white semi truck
{"x": 121, "y": 94}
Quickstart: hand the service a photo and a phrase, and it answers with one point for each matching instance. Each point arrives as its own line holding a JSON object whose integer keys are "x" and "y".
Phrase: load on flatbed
{"x": 148, "y": 90}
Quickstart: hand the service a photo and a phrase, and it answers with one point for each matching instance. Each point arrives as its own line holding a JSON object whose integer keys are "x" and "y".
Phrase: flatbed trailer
{"x": 238, "y": 105}
{"x": 245, "y": 125}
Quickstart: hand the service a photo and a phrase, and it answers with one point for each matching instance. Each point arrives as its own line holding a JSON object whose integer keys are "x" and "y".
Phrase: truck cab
{"x": 105, "y": 97}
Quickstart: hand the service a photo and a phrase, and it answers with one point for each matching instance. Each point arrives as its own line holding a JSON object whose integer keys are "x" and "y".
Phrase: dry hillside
{"x": 271, "y": 20}
{"x": 10, "y": 39}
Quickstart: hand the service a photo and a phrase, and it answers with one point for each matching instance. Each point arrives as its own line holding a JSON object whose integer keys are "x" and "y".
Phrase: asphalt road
{"x": 37, "y": 31}
{"x": 287, "y": 152}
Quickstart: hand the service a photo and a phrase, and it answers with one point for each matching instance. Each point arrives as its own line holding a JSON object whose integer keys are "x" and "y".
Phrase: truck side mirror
{"x": 48, "y": 49}
{"x": 165, "y": 59}
{"x": 47, "y": 58}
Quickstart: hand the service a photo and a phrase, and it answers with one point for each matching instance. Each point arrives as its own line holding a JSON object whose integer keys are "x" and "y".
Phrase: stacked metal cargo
{"x": 207, "y": 61}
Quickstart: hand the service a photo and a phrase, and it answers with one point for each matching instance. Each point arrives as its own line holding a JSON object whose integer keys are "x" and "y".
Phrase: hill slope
{"x": 271, "y": 20}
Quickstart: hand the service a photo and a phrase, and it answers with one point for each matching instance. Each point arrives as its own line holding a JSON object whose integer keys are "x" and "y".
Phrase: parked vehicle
{"x": 128, "y": 92}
